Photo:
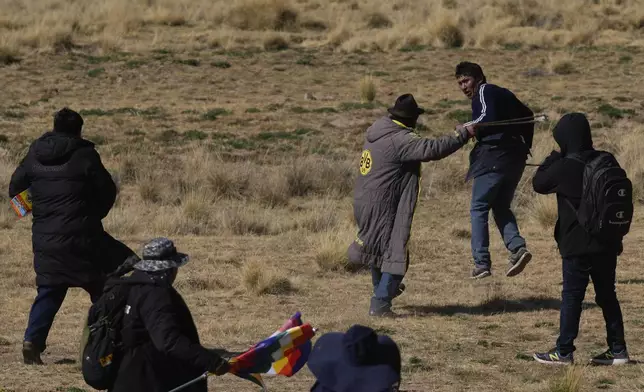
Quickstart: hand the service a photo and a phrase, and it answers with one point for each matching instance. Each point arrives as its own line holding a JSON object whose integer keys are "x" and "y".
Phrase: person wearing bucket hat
{"x": 356, "y": 361}
{"x": 161, "y": 342}
{"x": 386, "y": 192}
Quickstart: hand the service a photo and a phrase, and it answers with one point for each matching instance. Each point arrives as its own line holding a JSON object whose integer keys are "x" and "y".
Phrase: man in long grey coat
{"x": 386, "y": 192}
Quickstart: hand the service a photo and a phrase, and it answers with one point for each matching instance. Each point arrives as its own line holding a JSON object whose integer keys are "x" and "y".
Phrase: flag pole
{"x": 191, "y": 382}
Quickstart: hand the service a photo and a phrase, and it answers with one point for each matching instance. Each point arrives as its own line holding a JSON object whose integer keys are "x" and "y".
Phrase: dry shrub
{"x": 449, "y": 35}
{"x": 377, "y": 20}
{"x": 320, "y": 218}
{"x": 8, "y": 56}
{"x": 631, "y": 158}
{"x": 7, "y": 217}
{"x": 165, "y": 16}
{"x": 367, "y": 89}
{"x": 561, "y": 64}
{"x": 269, "y": 189}
{"x": 228, "y": 180}
{"x": 123, "y": 221}
{"x": 259, "y": 279}
{"x": 317, "y": 175}
{"x": 128, "y": 168}
{"x": 262, "y": 15}
{"x": 274, "y": 42}
{"x": 339, "y": 36}
{"x": 149, "y": 188}
{"x": 249, "y": 220}
{"x": 543, "y": 210}
{"x": 331, "y": 249}
{"x": 571, "y": 381}
{"x": 445, "y": 177}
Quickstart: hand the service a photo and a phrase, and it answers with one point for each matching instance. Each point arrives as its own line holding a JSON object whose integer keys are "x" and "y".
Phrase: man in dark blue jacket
{"x": 71, "y": 192}
{"x": 497, "y": 163}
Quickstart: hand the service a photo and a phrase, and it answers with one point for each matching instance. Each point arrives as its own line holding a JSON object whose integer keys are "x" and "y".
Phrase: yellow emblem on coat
{"x": 365, "y": 162}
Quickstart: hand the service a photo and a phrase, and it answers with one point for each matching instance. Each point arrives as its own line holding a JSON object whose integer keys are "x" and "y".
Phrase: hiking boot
{"x": 553, "y": 357}
{"x": 609, "y": 357}
{"x": 31, "y": 354}
{"x": 481, "y": 272}
{"x": 517, "y": 261}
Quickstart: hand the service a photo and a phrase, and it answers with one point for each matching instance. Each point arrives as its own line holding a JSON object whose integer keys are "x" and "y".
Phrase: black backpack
{"x": 104, "y": 348}
{"x": 606, "y": 208}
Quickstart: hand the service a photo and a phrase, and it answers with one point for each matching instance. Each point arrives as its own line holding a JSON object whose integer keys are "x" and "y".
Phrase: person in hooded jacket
{"x": 386, "y": 193}
{"x": 71, "y": 192}
{"x": 583, "y": 256}
{"x": 161, "y": 344}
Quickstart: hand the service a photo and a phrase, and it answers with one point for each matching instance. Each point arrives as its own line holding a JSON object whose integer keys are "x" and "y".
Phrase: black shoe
{"x": 31, "y": 354}
{"x": 553, "y": 357}
{"x": 517, "y": 261}
{"x": 481, "y": 272}
{"x": 610, "y": 358}
{"x": 401, "y": 289}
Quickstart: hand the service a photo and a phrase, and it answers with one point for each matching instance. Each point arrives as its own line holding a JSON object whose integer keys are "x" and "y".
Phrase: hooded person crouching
{"x": 386, "y": 192}
{"x": 162, "y": 347}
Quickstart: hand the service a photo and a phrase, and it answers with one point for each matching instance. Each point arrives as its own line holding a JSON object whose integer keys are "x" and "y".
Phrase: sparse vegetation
{"x": 570, "y": 381}
{"x": 248, "y": 162}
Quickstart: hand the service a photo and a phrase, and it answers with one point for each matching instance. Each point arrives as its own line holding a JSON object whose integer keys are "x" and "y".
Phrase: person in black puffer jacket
{"x": 162, "y": 348}
{"x": 583, "y": 255}
{"x": 71, "y": 192}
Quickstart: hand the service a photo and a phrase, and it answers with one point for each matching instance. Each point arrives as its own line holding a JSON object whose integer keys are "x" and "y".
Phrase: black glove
{"x": 219, "y": 366}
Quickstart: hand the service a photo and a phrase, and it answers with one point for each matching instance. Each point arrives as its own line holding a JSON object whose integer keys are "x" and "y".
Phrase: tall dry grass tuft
{"x": 543, "y": 211}
{"x": 262, "y": 15}
{"x": 260, "y": 279}
{"x": 571, "y": 381}
{"x": 449, "y": 35}
{"x": 367, "y": 89}
{"x": 331, "y": 249}
{"x": 562, "y": 63}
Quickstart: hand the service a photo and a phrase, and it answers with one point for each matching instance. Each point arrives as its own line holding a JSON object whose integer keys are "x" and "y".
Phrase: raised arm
{"x": 412, "y": 147}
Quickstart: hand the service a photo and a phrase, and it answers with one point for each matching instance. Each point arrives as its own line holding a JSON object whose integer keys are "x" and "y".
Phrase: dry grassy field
{"x": 235, "y": 129}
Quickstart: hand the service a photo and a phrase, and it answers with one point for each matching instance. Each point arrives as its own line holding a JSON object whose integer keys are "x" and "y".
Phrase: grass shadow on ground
{"x": 498, "y": 305}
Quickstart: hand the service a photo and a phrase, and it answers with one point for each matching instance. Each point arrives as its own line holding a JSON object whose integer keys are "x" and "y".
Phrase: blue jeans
{"x": 385, "y": 287}
{"x": 47, "y": 303}
{"x": 494, "y": 191}
{"x": 576, "y": 274}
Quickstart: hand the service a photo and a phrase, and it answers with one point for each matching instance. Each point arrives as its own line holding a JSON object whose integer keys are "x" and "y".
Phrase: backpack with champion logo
{"x": 606, "y": 208}
{"x": 104, "y": 348}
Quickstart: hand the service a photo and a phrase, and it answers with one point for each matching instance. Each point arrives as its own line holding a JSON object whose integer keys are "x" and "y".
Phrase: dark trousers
{"x": 576, "y": 274}
{"x": 47, "y": 303}
{"x": 494, "y": 191}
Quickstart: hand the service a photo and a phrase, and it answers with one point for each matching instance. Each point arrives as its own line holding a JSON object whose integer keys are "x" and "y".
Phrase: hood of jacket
{"x": 54, "y": 148}
{"x": 383, "y": 127}
{"x": 572, "y": 134}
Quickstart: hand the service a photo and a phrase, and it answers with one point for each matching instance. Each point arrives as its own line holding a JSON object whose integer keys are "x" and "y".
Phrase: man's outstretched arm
{"x": 412, "y": 147}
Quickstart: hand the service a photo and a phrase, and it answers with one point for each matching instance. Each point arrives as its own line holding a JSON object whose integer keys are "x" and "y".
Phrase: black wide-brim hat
{"x": 406, "y": 107}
